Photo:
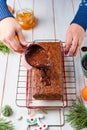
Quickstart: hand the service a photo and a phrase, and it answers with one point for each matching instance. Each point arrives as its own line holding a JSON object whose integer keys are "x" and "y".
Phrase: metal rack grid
{"x": 69, "y": 81}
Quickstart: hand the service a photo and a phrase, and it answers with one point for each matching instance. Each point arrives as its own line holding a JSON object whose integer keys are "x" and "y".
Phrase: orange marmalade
{"x": 26, "y": 19}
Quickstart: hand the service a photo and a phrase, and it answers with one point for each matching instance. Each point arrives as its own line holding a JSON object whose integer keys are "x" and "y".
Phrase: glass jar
{"x": 26, "y": 18}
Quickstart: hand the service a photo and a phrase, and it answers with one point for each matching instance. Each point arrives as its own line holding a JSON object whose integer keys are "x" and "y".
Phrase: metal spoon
{"x": 36, "y": 56}
{"x": 84, "y": 48}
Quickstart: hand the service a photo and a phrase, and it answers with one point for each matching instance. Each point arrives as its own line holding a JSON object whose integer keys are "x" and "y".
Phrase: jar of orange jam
{"x": 26, "y": 19}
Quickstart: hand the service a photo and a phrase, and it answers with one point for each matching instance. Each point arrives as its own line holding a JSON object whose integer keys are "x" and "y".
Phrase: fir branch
{"x": 4, "y": 125}
{"x": 4, "y": 49}
{"x": 77, "y": 116}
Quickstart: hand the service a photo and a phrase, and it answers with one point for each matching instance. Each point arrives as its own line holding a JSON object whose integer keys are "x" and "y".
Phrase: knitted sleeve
{"x": 4, "y": 12}
{"x": 81, "y": 15}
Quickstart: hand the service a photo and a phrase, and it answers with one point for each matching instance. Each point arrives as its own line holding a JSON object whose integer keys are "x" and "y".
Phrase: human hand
{"x": 9, "y": 30}
{"x": 74, "y": 38}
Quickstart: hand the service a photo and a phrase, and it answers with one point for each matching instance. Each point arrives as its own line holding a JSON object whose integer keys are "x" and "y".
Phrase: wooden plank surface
{"x": 3, "y": 71}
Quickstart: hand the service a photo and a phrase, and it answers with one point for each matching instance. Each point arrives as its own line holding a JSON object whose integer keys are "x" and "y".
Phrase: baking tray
{"x": 30, "y": 101}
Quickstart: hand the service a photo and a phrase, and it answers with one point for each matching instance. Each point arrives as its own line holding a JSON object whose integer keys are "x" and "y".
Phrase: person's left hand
{"x": 74, "y": 38}
{"x": 11, "y": 35}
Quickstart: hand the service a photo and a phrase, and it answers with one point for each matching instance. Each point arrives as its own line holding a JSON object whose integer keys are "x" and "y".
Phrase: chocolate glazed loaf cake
{"x": 53, "y": 88}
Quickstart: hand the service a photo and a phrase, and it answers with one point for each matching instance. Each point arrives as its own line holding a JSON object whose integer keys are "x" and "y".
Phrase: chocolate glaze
{"x": 45, "y": 78}
{"x": 84, "y": 48}
{"x": 85, "y": 64}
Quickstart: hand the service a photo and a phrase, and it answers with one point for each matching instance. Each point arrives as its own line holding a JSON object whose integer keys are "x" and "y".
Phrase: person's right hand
{"x": 9, "y": 30}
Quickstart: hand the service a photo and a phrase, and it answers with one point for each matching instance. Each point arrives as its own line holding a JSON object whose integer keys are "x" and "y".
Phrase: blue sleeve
{"x": 4, "y": 12}
{"x": 81, "y": 15}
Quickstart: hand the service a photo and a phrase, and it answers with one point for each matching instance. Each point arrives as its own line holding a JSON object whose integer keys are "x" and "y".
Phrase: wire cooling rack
{"x": 24, "y": 98}
{"x": 23, "y": 93}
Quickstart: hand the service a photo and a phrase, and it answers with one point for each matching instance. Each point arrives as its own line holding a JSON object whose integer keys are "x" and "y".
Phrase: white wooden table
{"x": 54, "y": 17}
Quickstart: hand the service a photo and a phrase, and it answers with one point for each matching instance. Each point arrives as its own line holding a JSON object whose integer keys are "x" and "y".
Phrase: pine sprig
{"x": 4, "y": 49}
{"x": 4, "y": 125}
{"x": 77, "y": 116}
